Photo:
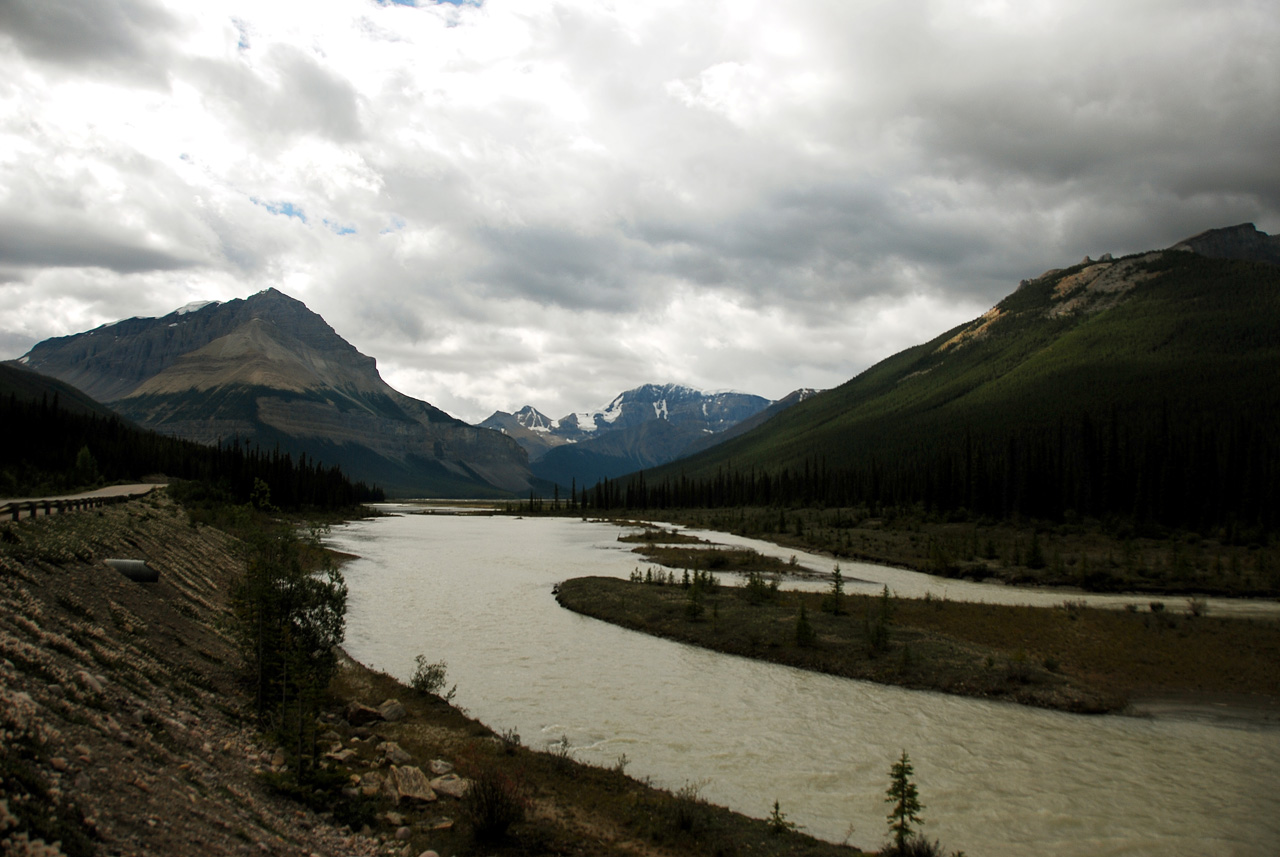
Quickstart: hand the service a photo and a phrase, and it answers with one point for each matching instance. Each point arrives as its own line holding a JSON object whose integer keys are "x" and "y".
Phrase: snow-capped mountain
{"x": 643, "y": 427}
{"x": 695, "y": 412}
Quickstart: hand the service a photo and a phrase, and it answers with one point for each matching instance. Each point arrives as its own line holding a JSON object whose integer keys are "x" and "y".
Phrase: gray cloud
{"x": 29, "y": 244}
{"x": 118, "y": 36}
{"x": 293, "y": 93}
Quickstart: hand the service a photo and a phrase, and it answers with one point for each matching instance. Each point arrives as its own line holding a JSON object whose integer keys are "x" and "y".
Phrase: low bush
{"x": 429, "y": 678}
{"x": 493, "y": 803}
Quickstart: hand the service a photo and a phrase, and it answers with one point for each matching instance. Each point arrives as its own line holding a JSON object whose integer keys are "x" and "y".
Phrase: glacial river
{"x": 995, "y": 778}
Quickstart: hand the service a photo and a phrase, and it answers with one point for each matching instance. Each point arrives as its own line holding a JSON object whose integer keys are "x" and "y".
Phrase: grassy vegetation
{"x": 1072, "y": 658}
{"x": 666, "y": 537}
{"x": 717, "y": 559}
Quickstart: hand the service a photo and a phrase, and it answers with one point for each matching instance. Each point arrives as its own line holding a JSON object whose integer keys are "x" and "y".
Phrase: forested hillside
{"x": 1143, "y": 388}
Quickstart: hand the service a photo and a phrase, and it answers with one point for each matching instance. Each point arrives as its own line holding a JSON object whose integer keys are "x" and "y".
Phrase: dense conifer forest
{"x": 49, "y": 448}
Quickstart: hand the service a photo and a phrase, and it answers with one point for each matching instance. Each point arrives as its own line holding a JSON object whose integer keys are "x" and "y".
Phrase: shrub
{"x": 805, "y": 637}
{"x": 510, "y": 741}
{"x": 492, "y": 804}
{"x": 687, "y": 809}
{"x": 561, "y": 753}
{"x": 429, "y": 678}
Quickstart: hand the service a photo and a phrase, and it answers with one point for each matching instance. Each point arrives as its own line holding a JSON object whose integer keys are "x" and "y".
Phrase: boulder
{"x": 408, "y": 783}
{"x": 451, "y": 784}
{"x": 89, "y": 681}
{"x": 391, "y": 710}
{"x": 439, "y": 767}
{"x": 394, "y": 753}
{"x": 372, "y": 783}
{"x": 342, "y": 757}
{"x": 361, "y": 715}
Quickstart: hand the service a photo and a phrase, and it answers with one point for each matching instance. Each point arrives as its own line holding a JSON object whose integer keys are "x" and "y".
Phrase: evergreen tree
{"x": 905, "y": 800}
{"x": 805, "y": 637}
{"x": 833, "y": 602}
{"x": 290, "y": 618}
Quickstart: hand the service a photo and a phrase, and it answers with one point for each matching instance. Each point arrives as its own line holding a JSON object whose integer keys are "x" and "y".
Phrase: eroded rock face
{"x": 114, "y": 726}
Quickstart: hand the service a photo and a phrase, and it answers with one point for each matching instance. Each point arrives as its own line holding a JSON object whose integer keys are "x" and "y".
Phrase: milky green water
{"x": 996, "y": 779}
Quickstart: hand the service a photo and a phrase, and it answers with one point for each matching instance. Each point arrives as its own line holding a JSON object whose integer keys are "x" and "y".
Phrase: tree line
{"x": 1165, "y": 470}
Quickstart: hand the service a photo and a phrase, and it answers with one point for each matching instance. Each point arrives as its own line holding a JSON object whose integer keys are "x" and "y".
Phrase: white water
{"x": 995, "y": 778}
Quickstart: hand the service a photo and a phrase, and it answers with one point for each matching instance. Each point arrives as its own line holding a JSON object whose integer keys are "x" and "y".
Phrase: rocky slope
{"x": 124, "y": 729}
{"x": 268, "y": 370}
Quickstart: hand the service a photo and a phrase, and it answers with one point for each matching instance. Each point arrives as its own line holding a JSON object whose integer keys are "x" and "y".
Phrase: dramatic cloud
{"x": 546, "y": 202}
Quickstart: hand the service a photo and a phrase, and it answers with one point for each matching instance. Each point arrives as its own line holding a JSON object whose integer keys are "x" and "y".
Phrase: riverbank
{"x": 127, "y": 729}
{"x": 1071, "y": 658}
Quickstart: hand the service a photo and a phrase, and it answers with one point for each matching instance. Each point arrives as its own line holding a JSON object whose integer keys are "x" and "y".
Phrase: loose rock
{"x": 452, "y": 785}
{"x": 409, "y": 783}
{"x": 394, "y": 753}
{"x": 362, "y": 715}
{"x": 391, "y": 710}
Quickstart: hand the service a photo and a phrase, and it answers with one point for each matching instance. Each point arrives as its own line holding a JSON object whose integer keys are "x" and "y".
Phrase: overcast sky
{"x": 517, "y": 202}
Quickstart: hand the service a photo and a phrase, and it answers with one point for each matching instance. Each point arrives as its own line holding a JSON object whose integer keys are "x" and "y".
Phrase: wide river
{"x": 995, "y": 779}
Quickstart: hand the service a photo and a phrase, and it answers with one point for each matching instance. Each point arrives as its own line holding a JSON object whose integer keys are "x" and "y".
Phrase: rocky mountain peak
{"x": 1243, "y": 241}
{"x": 534, "y": 420}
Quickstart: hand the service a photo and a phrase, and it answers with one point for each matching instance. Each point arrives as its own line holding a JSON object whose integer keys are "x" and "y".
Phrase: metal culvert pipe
{"x": 135, "y": 569}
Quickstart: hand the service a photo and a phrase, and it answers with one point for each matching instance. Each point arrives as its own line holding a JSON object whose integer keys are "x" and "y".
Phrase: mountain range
{"x": 643, "y": 427}
{"x": 268, "y": 371}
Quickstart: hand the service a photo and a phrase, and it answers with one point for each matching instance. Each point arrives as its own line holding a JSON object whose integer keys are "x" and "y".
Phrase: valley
{"x": 1068, "y": 503}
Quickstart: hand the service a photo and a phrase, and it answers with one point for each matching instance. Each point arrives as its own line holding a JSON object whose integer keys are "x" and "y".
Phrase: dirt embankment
{"x": 124, "y": 731}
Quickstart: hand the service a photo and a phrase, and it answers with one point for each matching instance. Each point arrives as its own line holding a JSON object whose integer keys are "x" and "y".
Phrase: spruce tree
{"x": 905, "y": 799}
